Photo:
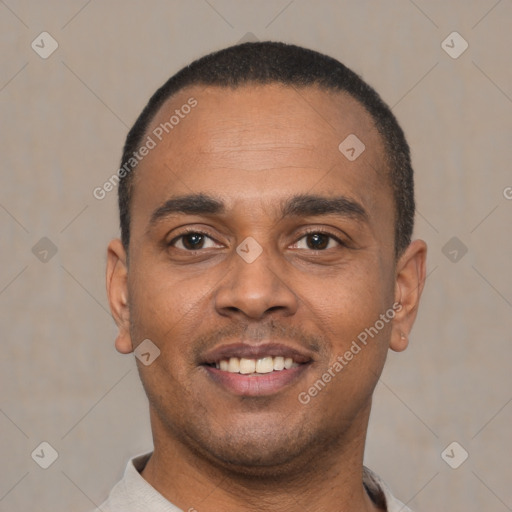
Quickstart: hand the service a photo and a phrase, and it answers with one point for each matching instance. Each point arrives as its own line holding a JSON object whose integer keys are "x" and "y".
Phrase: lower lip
{"x": 256, "y": 385}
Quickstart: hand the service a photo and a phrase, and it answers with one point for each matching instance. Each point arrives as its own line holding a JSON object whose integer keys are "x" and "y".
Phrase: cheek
{"x": 165, "y": 309}
{"x": 349, "y": 305}
{"x": 162, "y": 298}
{"x": 349, "y": 299}
{"x": 350, "y": 315}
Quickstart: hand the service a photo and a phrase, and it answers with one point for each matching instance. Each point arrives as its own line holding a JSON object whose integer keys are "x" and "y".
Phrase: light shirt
{"x": 134, "y": 494}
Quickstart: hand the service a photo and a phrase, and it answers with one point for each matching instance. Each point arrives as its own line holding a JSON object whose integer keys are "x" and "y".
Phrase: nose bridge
{"x": 253, "y": 285}
{"x": 253, "y": 266}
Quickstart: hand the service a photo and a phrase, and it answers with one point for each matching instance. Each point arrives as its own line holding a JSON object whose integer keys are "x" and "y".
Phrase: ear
{"x": 117, "y": 292}
{"x": 410, "y": 280}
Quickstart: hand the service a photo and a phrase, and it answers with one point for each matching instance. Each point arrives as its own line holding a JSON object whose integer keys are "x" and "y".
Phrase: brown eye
{"x": 317, "y": 241}
{"x": 193, "y": 241}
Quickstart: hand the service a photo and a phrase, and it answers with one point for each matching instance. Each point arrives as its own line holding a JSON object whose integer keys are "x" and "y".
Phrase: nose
{"x": 255, "y": 289}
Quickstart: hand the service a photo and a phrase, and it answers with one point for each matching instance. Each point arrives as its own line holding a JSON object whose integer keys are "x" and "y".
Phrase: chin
{"x": 258, "y": 463}
{"x": 258, "y": 453}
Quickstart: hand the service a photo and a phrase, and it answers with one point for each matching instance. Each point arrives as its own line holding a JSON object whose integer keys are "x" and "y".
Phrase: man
{"x": 265, "y": 267}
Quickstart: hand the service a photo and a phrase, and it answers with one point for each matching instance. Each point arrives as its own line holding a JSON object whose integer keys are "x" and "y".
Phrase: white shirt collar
{"x": 134, "y": 494}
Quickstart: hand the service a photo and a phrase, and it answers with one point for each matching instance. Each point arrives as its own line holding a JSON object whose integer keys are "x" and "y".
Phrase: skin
{"x": 253, "y": 148}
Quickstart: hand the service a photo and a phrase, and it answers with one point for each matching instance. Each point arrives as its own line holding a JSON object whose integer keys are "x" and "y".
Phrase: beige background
{"x": 64, "y": 120}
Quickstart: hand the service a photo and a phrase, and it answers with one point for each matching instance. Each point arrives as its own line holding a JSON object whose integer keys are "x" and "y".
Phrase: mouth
{"x": 255, "y": 367}
{"x": 256, "y": 370}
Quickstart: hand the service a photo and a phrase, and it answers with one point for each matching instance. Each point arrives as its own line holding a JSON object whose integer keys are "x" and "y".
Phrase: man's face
{"x": 264, "y": 158}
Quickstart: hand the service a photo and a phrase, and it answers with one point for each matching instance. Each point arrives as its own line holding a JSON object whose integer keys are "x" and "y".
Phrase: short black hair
{"x": 276, "y": 62}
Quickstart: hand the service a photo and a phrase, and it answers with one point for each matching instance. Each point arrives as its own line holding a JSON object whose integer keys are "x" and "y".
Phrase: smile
{"x": 255, "y": 367}
{"x": 263, "y": 369}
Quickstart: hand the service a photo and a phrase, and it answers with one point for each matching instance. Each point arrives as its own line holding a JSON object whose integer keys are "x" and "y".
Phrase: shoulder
{"x": 381, "y": 493}
{"x": 130, "y": 491}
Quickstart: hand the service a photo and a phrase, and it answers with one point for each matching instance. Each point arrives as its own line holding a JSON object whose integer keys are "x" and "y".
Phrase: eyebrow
{"x": 307, "y": 205}
{"x": 303, "y": 205}
{"x": 192, "y": 204}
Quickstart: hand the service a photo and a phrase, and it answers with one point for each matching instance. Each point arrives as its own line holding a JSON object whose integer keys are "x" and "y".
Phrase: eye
{"x": 317, "y": 241}
{"x": 193, "y": 241}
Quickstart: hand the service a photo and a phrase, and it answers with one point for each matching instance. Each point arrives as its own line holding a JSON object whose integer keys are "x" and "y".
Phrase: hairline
{"x": 321, "y": 87}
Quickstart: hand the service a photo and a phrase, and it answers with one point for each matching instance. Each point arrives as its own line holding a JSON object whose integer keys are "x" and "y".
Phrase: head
{"x": 269, "y": 216}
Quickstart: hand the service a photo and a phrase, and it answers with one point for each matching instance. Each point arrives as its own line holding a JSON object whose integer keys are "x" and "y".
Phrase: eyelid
{"x": 305, "y": 232}
{"x": 323, "y": 231}
{"x": 189, "y": 230}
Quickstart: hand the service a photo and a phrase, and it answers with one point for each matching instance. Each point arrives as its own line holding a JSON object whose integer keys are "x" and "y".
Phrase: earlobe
{"x": 399, "y": 341}
{"x": 117, "y": 292}
{"x": 123, "y": 343}
{"x": 410, "y": 280}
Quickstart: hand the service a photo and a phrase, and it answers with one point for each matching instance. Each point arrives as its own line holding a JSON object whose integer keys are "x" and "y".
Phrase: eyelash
{"x": 313, "y": 231}
{"x": 310, "y": 231}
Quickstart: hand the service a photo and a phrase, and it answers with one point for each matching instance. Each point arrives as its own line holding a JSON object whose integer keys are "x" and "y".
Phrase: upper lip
{"x": 258, "y": 351}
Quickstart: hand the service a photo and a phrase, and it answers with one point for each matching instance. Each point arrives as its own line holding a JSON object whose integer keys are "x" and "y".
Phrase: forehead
{"x": 260, "y": 117}
{"x": 258, "y": 142}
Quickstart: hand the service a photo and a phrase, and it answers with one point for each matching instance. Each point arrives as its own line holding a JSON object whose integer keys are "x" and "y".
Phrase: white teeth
{"x": 264, "y": 365}
{"x": 278, "y": 363}
{"x": 234, "y": 365}
{"x": 247, "y": 365}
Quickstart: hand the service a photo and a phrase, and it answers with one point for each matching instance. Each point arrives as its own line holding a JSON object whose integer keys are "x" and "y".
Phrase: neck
{"x": 331, "y": 480}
